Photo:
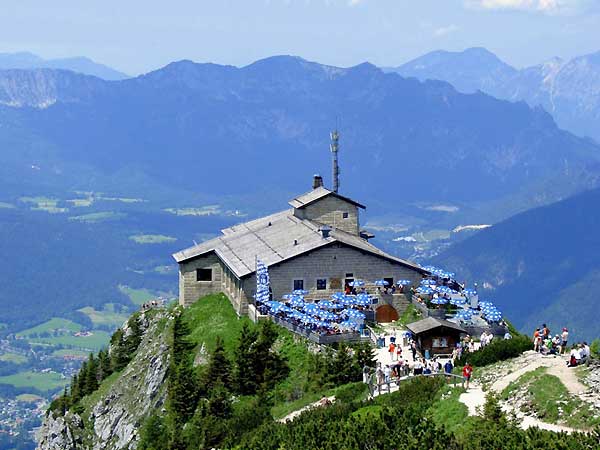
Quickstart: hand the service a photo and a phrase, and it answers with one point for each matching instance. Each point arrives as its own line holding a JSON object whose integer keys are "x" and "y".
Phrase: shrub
{"x": 498, "y": 350}
{"x": 351, "y": 392}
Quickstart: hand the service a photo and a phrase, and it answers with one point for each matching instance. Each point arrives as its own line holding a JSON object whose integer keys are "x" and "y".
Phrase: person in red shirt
{"x": 467, "y": 372}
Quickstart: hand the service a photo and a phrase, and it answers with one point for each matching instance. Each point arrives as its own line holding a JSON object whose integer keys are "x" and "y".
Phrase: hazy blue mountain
{"x": 264, "y": 127}
{"x": 539, "y": 266}
{"x": 79, "y": 64}
{"x": 569, "y": 90}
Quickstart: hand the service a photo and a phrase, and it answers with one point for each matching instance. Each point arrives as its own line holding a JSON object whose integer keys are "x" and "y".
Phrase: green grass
{"x": 448, "y": 410}
{"x": 412, "y": 314}
{"x": 98, "y": 217}
{"x": 13, "y": 358}
{"x": 551, "y": 401}
{"x": 213, "y": 316}
{"x": 108, "y": 316}
{"x": 29, "y": 398}
{"x": 95, "y": 342}
{"x": 89, "y": 401}
{"x": 52, "y": 325}
{"x": 137, "y": 296}
{"x": 152, "y": 239}
{"x": 36, "y": 380}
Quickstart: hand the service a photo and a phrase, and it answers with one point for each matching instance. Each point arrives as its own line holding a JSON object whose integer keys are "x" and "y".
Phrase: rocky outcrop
{"x": 61, "y": 432}
{"x": 113, "y": 422}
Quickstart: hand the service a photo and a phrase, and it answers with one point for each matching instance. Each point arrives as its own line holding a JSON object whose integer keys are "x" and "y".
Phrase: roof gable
{"x": 317, "y": 194}
{"x": 431, "y": 323}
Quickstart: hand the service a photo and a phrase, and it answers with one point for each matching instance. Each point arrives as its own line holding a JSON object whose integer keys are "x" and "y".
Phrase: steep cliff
{"x": 112, "y": 415}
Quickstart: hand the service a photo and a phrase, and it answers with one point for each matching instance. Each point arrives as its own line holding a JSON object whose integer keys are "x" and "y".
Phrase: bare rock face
{"x": 61, "y": 433}
{"x": 114, "y": 421}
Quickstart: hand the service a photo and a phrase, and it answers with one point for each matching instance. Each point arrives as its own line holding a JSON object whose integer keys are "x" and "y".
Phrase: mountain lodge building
{"x": 317, "y": 246}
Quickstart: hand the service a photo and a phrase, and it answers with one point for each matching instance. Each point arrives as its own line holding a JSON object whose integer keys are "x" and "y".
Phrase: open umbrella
{"x": 357, "y": 283}
{"x": 458, "y": 301}
{"x": 470, "y": 291}
{"x": 300, "y": 292}
{"x": 439, "y": 301}
{"x": 297, "y": 302}
{"x": 381, "y": 283}
{"x": 354, "y": 314}
{"x": 424, "y": 290}
{"x": 428, "y": 282}
{"x": 403, "y": 282}
{"x": 327, "y": 304}
{"x": 338, "y": 296}
{"x": 311, "y": 308}
{"x": 326, "y": 315}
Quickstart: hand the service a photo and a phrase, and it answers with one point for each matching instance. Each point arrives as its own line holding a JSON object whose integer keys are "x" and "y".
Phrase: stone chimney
{"x": 317, "y": 181}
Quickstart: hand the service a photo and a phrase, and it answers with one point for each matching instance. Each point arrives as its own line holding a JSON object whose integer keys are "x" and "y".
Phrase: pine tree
{"x": 75, "y": 389}
{"x": 181, "y": 345}
{"x": 244, "y": 375}
{"x": 104, "y": 365}
{"x": 219, "y": 367}
{"x": 219, "y": 401}
{"x": 91, "y": 375}
{"x": 81, "y": 380}
{"x": 134, "y": 337}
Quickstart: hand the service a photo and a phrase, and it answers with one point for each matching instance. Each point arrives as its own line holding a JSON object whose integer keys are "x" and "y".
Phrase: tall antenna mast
{"x": 335, "y": 137}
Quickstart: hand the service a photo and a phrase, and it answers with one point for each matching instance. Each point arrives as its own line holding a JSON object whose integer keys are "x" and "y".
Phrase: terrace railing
{"x": 388, "y": 387}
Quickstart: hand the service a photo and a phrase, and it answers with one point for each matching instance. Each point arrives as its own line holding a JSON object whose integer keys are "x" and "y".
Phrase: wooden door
{"x": 386, "y": 314}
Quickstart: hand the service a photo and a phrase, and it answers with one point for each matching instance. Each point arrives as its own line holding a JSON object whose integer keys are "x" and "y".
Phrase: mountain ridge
{"x": 569, "y": 89}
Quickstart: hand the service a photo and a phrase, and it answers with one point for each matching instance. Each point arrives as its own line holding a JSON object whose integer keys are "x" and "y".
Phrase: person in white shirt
{"x": 565, "y": 339}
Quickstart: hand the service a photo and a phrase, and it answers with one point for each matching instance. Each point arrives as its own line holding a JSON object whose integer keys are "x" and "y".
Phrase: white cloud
{"x": 542, "y": 6}
{"x": 443, "y": 31}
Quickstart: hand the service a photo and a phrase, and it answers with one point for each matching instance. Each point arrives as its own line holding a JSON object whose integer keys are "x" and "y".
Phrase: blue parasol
{"x": 403, "y": 282}
{"x": 439, "y": 301}
{"x": 381, "y": 283}
{"x": 357, "y": 283}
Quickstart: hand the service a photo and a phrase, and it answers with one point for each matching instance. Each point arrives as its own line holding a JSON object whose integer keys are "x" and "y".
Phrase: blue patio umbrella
{"x": 309, "y": 320}
{"x": 354, "y": 314}
{"x": 439, "y": 301}
{"x": 326, "y": 315}
{"x": 424, "y": 290}
{"x": 381, "y": 283}
{"x": 458, "y": 301}
{"x": 327, "y": 304}
{"x": 429, "y": 268}
{"x": 363, "y": 301}
{"x": 428, "y": 282}
{"x": 300, "y": 292}
{"x": 494, "y": 316}
{"x": 287, "y": 296}
{"x": 348, "y": 324}
{"x": 338, "y": 296}
{"x": 348, "y": 300}
{"x": 357, "y": 283}
{"x": 272, "y": 303}
{"x": 403, "y": 282}
{"x": 297, "y": 302}
{"x": 470, "y": 291}
{"x": 311, "y": 308}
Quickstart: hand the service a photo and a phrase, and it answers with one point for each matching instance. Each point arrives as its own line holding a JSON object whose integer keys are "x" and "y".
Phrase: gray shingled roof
{"x": 312, "y": 196}
{"x": 271, "y": 239}
{"x": 431, "y": 323}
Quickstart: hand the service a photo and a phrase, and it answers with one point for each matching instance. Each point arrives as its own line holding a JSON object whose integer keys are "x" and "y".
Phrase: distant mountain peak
{"x": 78, "y": 64}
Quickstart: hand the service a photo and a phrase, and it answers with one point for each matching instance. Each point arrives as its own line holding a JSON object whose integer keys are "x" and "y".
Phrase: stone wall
{"x": 191, "y": 290}
{"x": 330, "y": 211}
{"x": 333, "y": 263}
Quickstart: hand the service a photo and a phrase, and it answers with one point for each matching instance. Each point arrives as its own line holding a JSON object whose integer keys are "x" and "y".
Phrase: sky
{"x": 137, "y": 36}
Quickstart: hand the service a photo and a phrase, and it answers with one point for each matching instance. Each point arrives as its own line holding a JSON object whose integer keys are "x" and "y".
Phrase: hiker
{"x": 574, "y": 357}
{"x": 467, "y": 372}
{"x": 365, "y": 372}
{"x": 448, "y": 368}
{"x": 418, "y": 367}
{"x": 585, "y": 353}
{"x": 565, "y": 339}
{"x": 537, "y": 340}
{"x": 392, "y": 350}
{"x": 413, "y": 349}
{"x": 398, "y": 352}
{"x": 386, "y": 373}
{"x": 380, "y": 378}
{"x": 545, "y": 331}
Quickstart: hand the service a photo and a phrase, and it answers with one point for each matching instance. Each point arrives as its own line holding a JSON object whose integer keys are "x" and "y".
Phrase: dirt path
{"x": 474, "y": 398}
{"x": 317, "y": 404}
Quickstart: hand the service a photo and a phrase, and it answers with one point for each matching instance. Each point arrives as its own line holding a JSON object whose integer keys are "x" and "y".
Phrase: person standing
{"x": 366, "y": 372}
{"x": 467, "y": 372}
{"x": 448, "y": 368}
{"x": 413, "y": 349}
{"x": 537, "y": 340}
{"x": 564, "y": 339}
{"x": 392, "y": 350}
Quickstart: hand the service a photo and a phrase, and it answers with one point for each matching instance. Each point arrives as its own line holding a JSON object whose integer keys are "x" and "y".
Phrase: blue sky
{"x": 137, "y": 36}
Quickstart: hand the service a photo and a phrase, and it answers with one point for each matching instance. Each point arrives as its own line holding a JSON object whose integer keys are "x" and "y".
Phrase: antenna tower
{"x": 335, "y": 137}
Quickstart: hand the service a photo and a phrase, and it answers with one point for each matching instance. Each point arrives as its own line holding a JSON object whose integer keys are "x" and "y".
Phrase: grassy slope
{"x": 51, "y": 325}
{"x": 37, "y": 380}
{"x": 550, "y": 400}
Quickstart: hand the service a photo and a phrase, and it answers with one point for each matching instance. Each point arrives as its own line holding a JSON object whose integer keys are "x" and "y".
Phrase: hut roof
{"x": 277, "y": 238}
{"x": 431, "y": 323}
{"x": 316, "y": 194}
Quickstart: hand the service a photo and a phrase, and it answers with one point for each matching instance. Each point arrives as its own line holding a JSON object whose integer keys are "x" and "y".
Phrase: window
{"x": 321, "y": 284}
{"x": 203, "y": 274}
{"x": 298, "y": 284}
{"x": 345, "y": 215}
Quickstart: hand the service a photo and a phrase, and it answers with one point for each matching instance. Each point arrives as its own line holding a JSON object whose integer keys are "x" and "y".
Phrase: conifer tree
{"x": 219, "y": 367}
{"x": 244, "y": 374}
{"x": 75, "y": 389}
{"x": 91, "y": 375}
{"x": 81, "y": 380}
